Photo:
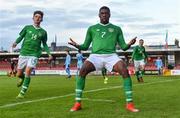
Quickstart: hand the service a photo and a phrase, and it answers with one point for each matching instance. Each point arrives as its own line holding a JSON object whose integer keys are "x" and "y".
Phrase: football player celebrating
{"x": 32, "y": 36}
{"x": 104, "y": 36}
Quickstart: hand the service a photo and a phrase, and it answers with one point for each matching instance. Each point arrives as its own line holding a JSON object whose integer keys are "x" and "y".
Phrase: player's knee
{"x": 86, "y": 68}
{"x": 122, "y": 67}
{"x": 124, "y": 73}
{"x": 83, "y": 72}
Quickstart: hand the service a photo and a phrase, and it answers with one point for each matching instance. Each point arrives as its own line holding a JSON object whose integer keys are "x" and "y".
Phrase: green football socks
{"x": 80, "y": 84}
{"x": 25, "y": 85}
{"x": 128, "y": 89}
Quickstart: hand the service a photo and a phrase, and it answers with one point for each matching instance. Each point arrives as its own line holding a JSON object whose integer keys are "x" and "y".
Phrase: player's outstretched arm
{"x": 73, "y": 43}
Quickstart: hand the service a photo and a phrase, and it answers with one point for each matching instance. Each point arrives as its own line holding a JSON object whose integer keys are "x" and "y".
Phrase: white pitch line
{"x": 71, "y": 94}
{"x": 38, "y": 100}
{"x": 97, "y": 100}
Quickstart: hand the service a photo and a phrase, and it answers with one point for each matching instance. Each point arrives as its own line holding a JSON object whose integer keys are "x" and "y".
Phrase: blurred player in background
{"x": 13, "y": 70}
{"x": 139, "y": 57}
{"x": 80, "y": 58}
{"x": 67, "y": 64}
{"x": 159, "y": 65}
{"x": 104, "y": 37}
{"x": 104, "y": 74}
{"x": 33, "y": 36}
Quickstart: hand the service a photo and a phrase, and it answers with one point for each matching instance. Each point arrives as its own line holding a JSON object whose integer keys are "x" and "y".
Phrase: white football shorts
{"x": 138, "y": 63}
{"x": 27, "y": 61}
{"x": 103, "y": 60}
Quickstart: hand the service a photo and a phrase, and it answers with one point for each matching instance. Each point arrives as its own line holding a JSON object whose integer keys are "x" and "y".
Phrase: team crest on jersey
{"x": 97, "y": 30}
{"x": 39, "y": 34}
{"x": 110, "y": 29}
{"x": 140, "y": 51}
{"x": 30, "y": 32}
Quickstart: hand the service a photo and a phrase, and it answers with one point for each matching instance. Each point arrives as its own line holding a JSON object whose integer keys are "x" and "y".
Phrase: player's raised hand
{"x": 73, "y": 43}
{"x": 132, "y": 41}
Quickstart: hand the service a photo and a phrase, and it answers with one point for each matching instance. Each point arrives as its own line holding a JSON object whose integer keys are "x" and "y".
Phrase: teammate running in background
{"x": 33, "y": 36}
{"x": 139, "y": 57}
{"x": 104, "y": 37}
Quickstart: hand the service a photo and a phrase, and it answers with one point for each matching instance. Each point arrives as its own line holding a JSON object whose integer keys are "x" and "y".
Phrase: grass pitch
{"x": 53, "y": 96}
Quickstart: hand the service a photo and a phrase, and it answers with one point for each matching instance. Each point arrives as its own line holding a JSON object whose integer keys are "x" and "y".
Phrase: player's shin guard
{"x": 80, "y": 84}
{"x": 128, "y": 89}
{"x": 25, "y": 85}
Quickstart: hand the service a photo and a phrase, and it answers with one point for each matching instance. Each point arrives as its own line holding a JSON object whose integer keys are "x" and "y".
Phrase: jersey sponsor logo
{"x": 110, "y": 29}
{"x": 140, "y": 51}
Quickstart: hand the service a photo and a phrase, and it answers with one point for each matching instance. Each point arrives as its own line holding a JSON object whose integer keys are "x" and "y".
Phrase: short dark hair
{"x": 141, "y": 40}
{"x": 38, "y": 12}
{"x": 104, "y": 7}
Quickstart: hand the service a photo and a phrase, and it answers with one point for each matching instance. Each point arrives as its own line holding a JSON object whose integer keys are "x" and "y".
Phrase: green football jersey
{"x": 139, "y": 53}
{"x": 104, "y": 39}
{"x": 32, "y": 39}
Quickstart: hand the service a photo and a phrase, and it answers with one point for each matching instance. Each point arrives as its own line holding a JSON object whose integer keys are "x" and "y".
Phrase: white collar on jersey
{"x": 36, "y": 27}
{"x": 104, "y": 24}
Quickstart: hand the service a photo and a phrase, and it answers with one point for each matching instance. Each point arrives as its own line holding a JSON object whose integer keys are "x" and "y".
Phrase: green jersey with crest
{"x": 104, "y": 39}
{"x": 32, "y": 39}
{"x": 139, "y": 53}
